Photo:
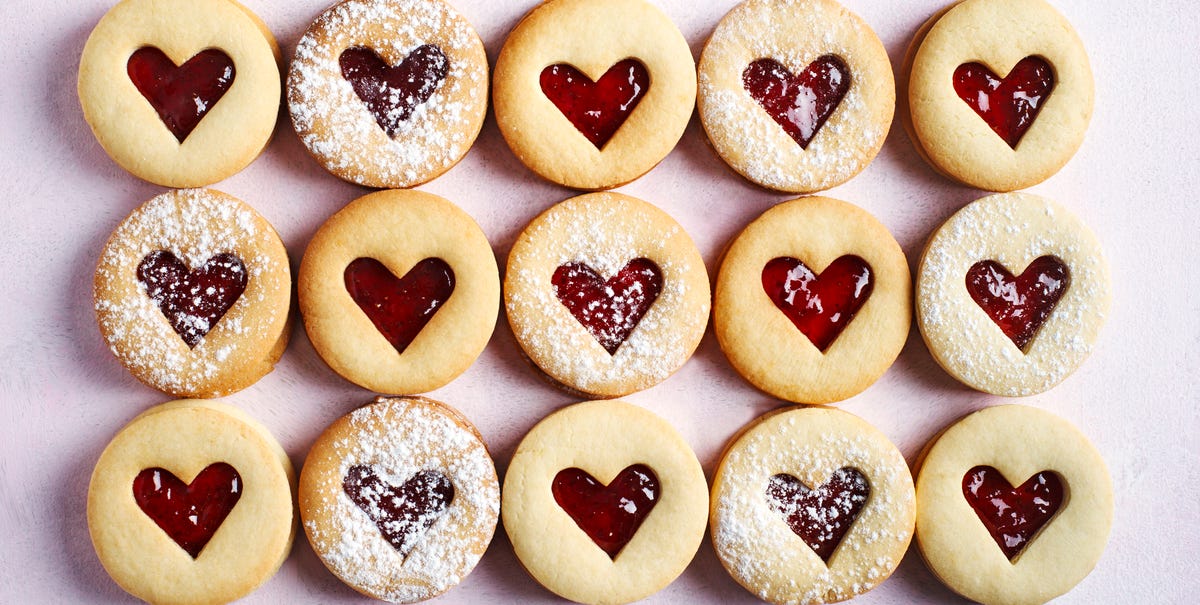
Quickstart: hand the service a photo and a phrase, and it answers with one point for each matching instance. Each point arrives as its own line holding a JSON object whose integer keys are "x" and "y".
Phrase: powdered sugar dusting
{"x": 745, "y": 133}
{"x": 595, "y": 230}
{"x": 336, "y": 125}
{"x": 753, "y": 539}
{"x": 1012, "y": 229}
{"x": 195, "y": 225}
{"x": 399, "y": 438}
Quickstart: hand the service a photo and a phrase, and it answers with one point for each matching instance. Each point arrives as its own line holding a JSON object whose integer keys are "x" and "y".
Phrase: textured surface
{"x": 63, "y": 396}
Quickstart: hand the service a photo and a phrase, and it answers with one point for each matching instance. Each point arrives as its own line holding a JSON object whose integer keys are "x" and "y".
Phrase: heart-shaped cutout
{"x": 1013, "y": 516}
{"x": 192, "y": 301}
{"x": 402, "y": 513}
{"x": 821, "y": 516}
{"x": 1009, "y": 106}
{"x": 399, "y": 307}
{"x": 393, "y": 93}
{"x": 609, "y": 309}
{"x": 597, "y": 109}
{"x": 800, "y": 103}
{"x": 182, "y": 95}
{"x": 190, "y": 514}
{"x": 609, "y": 514}
{"x": 820, "y": 306}
{"x": 1019, "y": 305}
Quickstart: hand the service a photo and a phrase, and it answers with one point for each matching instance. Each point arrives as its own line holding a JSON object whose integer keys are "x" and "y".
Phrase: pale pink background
{"x": 1134, "y": 182}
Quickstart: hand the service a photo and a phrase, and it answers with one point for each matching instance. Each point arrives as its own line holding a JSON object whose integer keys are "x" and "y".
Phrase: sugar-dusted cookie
{"x": 1011, "y": 294}
{"x": 606, "y": 294}
{"x": 400, "y": 498}
{"x": 795, "y": 95}
{"x": 1000, "y": 92}
{"x": 191, "y": 503}
{"x": 399, "y": 291}
{"x": 811, "y": 505}
{"x": 182, "y": 93}
{"x": 604, "y": 502}
{"x": 388, "y": 93}
{"x": 1003, "y": 545}
{"x": 193, "y": 294}
{"x": 592, "y": 94}
{"x": 813, "y": 301}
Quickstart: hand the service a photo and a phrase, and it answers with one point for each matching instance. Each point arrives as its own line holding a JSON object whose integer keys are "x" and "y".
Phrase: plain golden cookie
{"x": 604, "y": 503}
{"x": 399, "y": 291}
{"x": 1012, "y": 291}
{"x": 191, "y": 503}
{"x": 811, "y": 505}
{"x": 606, "y": 294}
{"x": 592, "y": 94}
{"x": 211, "y": 60}
{"x": 400, "y": 498}
{"x": 1000, "y": 92}
{"x": 813, "y": 301}
{"x": 193, "y": 294}
{"x": 795, "y": 95}
{"x": 1002, "y": 545}
{"x": 388, "y": 93}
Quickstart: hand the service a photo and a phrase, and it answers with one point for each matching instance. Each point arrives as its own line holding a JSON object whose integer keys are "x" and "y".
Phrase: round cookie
{"x": 606, "y": 294}
{"x": 191, "y": 503}
{"x": 388, "y": 93}
{"x": 181, "y": 93}
{"x": 399, "y": 291}
{"x": 811, "y": 505}
{"x": 1000, "y": 92}
{"x": 795, "y": 96}
{"x": 193, "y": 294}
{"x": 400, "y": 498}
{"x": 813, "y": 301}
{"x": 1000, "y": 545}
{"x": 592, "y": 94}
{"x": 604, "y": 503}
{"x": 1009, "y": 335}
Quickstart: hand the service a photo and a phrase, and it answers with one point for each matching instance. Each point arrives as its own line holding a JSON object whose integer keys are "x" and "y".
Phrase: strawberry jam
{"x": 182, "y": 95}
{"x": 1012, "y": 516}
{"x": 611, "y": 309}
{"x": 821, "y": 516}
{"x": 1009, "y": 106}
{"x": 1019, "y": 305}
{"x": 399, "y": 307}
{"x": 401, "y": 512}
{"x": 189, "y": 513}
{"x": 393, "y": 93}
{"x": 193, "y": 301}
{"x": 597, "y": 109}
{"x": 800, "y": 103}
{"x": 820, "y": 306}
{"x": 611, "y": 514}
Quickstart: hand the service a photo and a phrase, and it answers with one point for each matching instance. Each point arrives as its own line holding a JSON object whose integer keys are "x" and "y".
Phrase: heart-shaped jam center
{"x": 1019, "y": 305}
{"x": 800, "y": 103}
{"x": 597, "y": 109}
{"x": 1012, "y": 516}
{"x": 1009, "y": 106}
{"x": 393, "y": 93}
{"x": 189, "y": 513}
{"x": 399, "y": 307}
{"x": 821, "y": 516}
{"x": 608, "y": 514}
{"x": 183, "y": 94}
{"x": 820, "y": 306}
{"x": 193, "y": 301}
{"x": 610, "y": 309}
{"x": 402, "y": 513}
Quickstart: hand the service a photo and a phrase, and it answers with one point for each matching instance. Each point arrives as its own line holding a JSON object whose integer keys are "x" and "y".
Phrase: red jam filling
{"x": 800, "y": 103}
{"x": 1012, "y": 516}
{"x": 597, "y": 108}
{"x": 820, "y": 306}
{"x": 402, "y": 513}
{"x": 1009, "y": 106}
{"x": 611, "y": 514}
{"x": 821, "y": 516}
{"x": 192, "y": 301}
{"x": 181, "y": 95}
{"x": 1019, "y": 305}
{"x": 611, "y": 309}
{"x": 189, "y": 514}
{"x": 393, "y": 93}
{"x": 399, "y": 307}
